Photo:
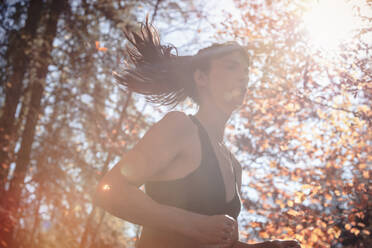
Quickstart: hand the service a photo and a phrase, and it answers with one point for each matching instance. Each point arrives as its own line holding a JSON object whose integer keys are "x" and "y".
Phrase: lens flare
{"x": 106, "y": 187}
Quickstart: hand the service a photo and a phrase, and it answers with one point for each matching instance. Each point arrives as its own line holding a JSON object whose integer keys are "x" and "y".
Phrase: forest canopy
{"x": 303, "y": 135}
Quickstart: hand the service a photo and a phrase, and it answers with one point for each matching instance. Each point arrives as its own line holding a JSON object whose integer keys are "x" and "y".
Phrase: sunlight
{"x": 106, "y": 187}
{"x": 329, "y": 22}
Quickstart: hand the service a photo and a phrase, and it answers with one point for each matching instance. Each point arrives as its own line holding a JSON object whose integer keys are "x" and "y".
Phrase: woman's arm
{"x": 266, "y": 244}
{"x": 240, "y": 244}
{"x": 127, "y": 202}
{"x": 118, "y": 191}
{"x": 270, "y": 244}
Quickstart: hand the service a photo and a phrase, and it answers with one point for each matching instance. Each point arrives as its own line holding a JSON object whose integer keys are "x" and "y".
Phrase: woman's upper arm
{"x": 157, "y": 148}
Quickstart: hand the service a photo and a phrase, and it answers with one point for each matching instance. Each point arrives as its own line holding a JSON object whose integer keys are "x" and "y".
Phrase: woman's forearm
{"x": 133, "y": 205}
{"x": 268, "y": 244}
{"x": 240, "y": 244}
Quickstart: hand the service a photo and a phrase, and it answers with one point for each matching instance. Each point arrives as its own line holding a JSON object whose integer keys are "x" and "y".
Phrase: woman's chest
{"x": 207, "y": 163}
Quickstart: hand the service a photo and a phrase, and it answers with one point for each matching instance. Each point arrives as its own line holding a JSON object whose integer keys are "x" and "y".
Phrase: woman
{"x": 192, "y": 181}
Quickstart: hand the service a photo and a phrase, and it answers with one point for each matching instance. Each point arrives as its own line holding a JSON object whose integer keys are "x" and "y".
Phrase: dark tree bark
{"x": 18, "y": 59}
{"x": 13, "y": 196}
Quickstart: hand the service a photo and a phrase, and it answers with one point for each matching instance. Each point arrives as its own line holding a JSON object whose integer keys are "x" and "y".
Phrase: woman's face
{"x": 226, "y": 81}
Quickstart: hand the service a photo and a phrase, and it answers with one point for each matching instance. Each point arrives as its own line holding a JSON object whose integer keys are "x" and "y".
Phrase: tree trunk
{"x": 88, "y": 224}
{"x": 18, "y": 59}
{"x": 36, "y": 218}
{"x": 13, "y": 196}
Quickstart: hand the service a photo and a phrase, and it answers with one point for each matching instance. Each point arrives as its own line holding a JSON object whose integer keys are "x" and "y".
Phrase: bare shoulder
{"x": 155, "y": 151}
{"x": 175, "y": 126}
{"x": 176, "y": 121}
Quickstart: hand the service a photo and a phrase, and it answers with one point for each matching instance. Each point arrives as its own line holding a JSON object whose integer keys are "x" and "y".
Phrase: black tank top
{"x": 202, "y": 191}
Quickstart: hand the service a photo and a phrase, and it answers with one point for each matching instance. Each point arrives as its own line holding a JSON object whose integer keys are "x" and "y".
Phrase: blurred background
{"x": 303, "y": 135}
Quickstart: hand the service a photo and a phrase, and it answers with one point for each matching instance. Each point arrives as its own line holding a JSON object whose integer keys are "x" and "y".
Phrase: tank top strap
{"x": 205, "y": 134}
{"x": 202, "y": 132}
{"x": 207, "y": 149}
{"x": 196, "y": 121}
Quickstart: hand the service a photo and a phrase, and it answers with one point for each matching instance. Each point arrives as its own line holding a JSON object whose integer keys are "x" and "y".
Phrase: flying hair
{"x": 165, "y": 78}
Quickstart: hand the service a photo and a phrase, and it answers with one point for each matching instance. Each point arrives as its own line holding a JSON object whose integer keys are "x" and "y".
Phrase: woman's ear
{"x": 200, "y": 77}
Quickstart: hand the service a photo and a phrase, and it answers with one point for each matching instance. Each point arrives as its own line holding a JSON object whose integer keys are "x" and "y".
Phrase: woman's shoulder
{"x": 175, "y": 116}
{"x": 178, "y": 123}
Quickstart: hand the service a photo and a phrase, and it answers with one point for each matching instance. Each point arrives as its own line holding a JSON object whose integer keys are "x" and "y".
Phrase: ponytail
{"x": 164, "y": 78}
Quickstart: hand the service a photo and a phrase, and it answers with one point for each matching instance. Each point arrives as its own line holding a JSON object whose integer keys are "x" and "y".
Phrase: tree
{"x": 69, "y": 121}
{"x": 13, "y": 195}
{"x": 17, "y": 56}
{"x": 305, "y": 140}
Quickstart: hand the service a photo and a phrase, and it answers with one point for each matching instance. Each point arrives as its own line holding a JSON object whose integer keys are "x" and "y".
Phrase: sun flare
{"x": 329, "y": 22}
{"x": 106, "y": 187}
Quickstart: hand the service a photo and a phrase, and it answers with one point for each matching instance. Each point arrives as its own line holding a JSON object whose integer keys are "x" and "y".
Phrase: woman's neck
{"x": 214, "y": 121}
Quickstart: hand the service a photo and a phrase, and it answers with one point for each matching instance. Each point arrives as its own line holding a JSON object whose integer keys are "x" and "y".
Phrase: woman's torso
{"x": 195, "y": 182}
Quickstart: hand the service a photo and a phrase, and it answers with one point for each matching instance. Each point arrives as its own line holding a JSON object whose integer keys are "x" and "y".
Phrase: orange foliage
{"x": 309, "y": 132}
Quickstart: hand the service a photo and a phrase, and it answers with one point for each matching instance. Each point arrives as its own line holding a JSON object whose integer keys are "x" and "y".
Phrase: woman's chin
{"x": 239, "y": 100}
{"x": 235, "y": 105}
{"x": 233, "y": 101}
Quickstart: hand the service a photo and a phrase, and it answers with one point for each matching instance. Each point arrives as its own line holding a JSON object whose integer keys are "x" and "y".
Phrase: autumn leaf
{"x": 99, "y": 47}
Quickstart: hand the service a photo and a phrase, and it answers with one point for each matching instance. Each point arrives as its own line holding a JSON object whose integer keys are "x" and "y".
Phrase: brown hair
{"x": 165, "y": 78}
